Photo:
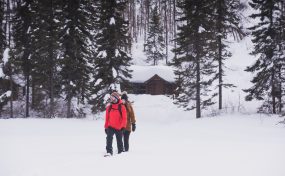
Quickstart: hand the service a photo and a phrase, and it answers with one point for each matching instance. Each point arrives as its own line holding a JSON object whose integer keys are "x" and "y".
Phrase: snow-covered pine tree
{"x": 9, "y": 67}
{"x": 111, "y": 60}
{"x": 44, "y": 74}
{"x": 23, "y": 35}
{"x": 267, "y": 80}
{"x": 194, "y": 61}
{"x": 282, "y": 57}
{"x": 2, "y": 32}
{"x": 2, "y": 47}
{"x": 155, "y": 45}
{"x": 227, "y": 19}
{"x": 145, "y": 15}
{"x": 75, "y": 58}
{"x": 37, "y": 59}
{"x": 141, "y": 15}
{"x": 132, "y": 18}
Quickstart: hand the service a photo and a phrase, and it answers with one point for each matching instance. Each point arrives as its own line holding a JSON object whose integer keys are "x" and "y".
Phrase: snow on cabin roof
{"x": 141, "y": 74}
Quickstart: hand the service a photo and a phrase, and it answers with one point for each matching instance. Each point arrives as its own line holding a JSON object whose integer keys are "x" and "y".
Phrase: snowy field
{"x": 167, "y": 142}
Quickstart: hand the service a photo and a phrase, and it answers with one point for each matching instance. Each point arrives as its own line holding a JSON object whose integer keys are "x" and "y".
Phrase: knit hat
{"x": 124, "y": 96}
{"x": 116, "y": 95}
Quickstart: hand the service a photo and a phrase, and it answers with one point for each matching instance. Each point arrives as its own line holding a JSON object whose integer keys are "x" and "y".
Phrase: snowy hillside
{"x": 233, "y": 98}
{"x": 167, "y": 142}
{"x": 234, "y": 74}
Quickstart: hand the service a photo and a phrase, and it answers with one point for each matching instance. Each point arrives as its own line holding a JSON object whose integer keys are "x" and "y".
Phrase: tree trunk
{"x": 68, "y": 113}
{"x": 273, "y": 104}
{"x": 220, "y": 73}
{"x": 134, "y": 21}
{"x": 220, "y": 62}
{"x": 280, "y": 90}
{"x": 52, "y": 65}
{"x": 273, "y": 93}
{"x": 11, "y": 87}
{"x": 51, "y": 97}
{"x": 83, "y": 92}
{"x": 174, "y": 25}
{"x": 33, "y": 94}
{"x": 198, "y": 89}
{"x": 146, "y": 18}
{"x": 141, "y": 26}
{"x": 198, "y": 78}
{"x": 27, "y": 94}
{"x": 166, "y": 33}
{"x": 10, "y": 65}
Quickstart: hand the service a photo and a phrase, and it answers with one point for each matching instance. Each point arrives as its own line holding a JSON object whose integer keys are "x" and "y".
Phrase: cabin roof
{"x": 142, "y": 74}
{"x": 155, "y": 77}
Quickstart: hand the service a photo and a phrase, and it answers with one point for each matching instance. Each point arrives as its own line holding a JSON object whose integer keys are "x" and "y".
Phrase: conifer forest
{"x": 61, "y": 57}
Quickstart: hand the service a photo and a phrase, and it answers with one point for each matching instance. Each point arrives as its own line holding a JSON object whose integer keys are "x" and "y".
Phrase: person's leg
{"x": 119, "y": 138}
{"x": 109, "y": 141}
{"x": 126, "y": 140}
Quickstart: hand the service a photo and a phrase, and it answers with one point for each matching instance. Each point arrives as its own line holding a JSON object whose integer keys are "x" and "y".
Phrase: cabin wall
{"x": 154, "y": 86}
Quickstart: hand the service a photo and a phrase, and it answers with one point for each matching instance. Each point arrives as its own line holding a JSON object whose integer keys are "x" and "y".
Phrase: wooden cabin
{"x": 154, "y": 80}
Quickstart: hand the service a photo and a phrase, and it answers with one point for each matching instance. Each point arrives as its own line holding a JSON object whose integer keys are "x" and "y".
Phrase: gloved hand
{"x": 134, "y": 127}
{"x": 106, "y": 130}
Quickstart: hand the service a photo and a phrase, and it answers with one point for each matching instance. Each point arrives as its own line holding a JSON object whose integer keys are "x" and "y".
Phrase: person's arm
{"x": 124, "y": 117}
{"x": 132, "y": 118}
{"x": 132, "y": 114}
{"x": 106, "y": 117}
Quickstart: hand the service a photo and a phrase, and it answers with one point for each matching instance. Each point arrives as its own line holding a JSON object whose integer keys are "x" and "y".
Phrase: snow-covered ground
{"x": 168, "y": 142}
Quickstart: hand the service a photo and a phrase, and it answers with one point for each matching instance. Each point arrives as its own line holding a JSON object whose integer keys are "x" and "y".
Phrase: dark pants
{"x": 110, "y": 134}
{"x": 126, "y": 136}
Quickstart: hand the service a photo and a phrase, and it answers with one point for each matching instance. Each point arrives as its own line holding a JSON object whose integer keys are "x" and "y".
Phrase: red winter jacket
{"x": 114, "y": 119}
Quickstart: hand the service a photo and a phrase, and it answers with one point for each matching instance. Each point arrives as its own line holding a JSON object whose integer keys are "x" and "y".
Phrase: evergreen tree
{"x": 267, "y": 80}
{"x": 2, "y": 33}
{"x": 227, "y": 21}
{"x": 75, "y": 60}
{"x": 194, "y": 55}
{"x": 111, "y": 60}
{"x": 9, "y": 68}
{"x": 23, "y": 35}
{"x": 47, "y": 49}
{"x": 280, "y": 41}
{"x": 2, "y": 47}
{"x": 155, "y": 46}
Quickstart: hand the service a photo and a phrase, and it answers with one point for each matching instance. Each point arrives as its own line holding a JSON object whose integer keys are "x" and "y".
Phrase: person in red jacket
{"x": 115, "y": 123}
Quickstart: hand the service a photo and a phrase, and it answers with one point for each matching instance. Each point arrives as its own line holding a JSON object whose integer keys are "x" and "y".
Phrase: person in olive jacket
{"x": 131, "y": 121}
{"x": 115, "y": 123}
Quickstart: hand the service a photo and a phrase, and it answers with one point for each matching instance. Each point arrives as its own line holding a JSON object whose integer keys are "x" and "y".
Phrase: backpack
{"x": 119, "y": 108}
